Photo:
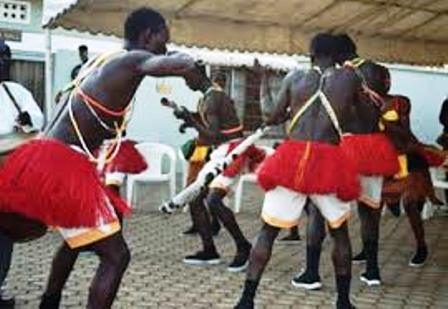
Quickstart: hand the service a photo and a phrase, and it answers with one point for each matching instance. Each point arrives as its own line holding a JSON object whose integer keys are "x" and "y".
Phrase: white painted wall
{"x": 153, "y": 122}
{"x": 427, "y": 90}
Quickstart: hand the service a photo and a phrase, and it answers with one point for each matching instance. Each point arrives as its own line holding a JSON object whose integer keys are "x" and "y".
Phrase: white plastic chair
{"x": 247, "y": 178}
{"x": 184, "y": 161}
{"x": 439, "y": 183}
{"x": 153, "y": 154}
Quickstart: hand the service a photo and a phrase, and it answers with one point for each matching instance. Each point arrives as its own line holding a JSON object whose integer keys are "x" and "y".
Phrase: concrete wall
{"x": 427, "y": 90}
{"x": 153, "y": 122}
{"x": 35, "y": 22}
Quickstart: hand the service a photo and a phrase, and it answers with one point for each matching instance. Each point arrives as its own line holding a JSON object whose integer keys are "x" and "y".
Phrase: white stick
{"x": 194, "y": 189}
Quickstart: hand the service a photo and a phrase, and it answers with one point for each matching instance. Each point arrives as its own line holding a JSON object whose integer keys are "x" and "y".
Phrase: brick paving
{"x": 156, "y": 277}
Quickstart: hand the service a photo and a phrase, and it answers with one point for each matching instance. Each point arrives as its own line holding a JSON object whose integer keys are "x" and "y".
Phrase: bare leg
{"x": 114, "y": 258}
{"x": 201, "y": 219}
{"x": 226, "y": 216}
{"x": 6, "y": 244}
{"x": 341, "y": 257}
{"x": 61, "y": 268}
{"x": 259, "y": 258}
{"x": 413, "y": 211}
{"x": 309, "y": 279}
{"x": 370, "y": 220}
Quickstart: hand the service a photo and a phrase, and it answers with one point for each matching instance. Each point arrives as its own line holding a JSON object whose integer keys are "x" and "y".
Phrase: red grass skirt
{"x": 48, "y": 181}
{"x": 433, "y": 156}
{"x": 128, "y": 160}
{"x": 373, "y": 154}
{"x": 310, "y": 168}
{"x": 251, "y": 158}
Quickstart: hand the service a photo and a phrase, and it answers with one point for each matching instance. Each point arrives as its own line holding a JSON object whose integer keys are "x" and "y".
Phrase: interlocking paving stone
{"x": 156, "y": 277}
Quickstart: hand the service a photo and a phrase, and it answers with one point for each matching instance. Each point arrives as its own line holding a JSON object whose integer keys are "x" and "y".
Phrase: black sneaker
{"x": 245, "y": 304}
{"x": 306, "y": 281}
{"x": 202, "y": 258}
{"x": 191, "y": 231}
{"x": 371, "y": 278}
{"x": 419, "y": 258}
{"x": 359, "y": 258}
{"x": 290, "y": 239}
{"x": 240, "y": 261}
{"x": 6, "y": 301}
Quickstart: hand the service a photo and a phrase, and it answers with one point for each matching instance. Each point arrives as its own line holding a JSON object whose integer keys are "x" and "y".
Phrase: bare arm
{"x": 212, "y": 132}
{"x": 443, "y": 117}
{"x": 282, "y": 102}
{"x": 267, "y": 102}
{"x": 172, "y": 65}
{"x": 400, "y": 131}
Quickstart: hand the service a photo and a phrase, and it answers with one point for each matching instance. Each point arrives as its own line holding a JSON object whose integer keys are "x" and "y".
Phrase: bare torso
{"x": 113, "y": 85}
{"x": 218, "y": 113}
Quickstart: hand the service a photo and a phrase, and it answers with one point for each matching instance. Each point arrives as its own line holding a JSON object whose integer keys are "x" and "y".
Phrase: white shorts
{"x": 282, "y": 208}
{"x": 79, "y": 237}
{"x": 371, "y": 188}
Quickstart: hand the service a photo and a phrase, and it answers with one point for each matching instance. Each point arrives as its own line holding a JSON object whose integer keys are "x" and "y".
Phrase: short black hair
{"x": 220, "y": 76}
{"x": 200, "y": 66}
{"x": 82, "y": 48}
{"x": 345, "y": 44}
{"x": 322, "y": 44}
{"x": 4, "y": 48}
{"x": 140, "y": 20}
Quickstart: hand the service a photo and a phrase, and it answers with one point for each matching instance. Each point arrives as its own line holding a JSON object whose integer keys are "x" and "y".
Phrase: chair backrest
{"x": 184, "y": 162}
{"x": 154, "y": 153}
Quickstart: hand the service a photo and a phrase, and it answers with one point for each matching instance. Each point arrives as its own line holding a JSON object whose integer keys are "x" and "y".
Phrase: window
{"x": 244, "y": 86}
{"x": 13, "y": 11}
{"x": 31, "y": 75}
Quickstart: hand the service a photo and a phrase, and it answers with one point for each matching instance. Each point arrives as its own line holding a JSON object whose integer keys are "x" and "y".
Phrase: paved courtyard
{"x": 157, "y": 278}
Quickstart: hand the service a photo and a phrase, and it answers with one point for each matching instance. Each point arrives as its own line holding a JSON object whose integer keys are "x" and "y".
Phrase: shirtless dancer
{"x": 412, "y": 185}
{"x": 375, "y": 157}
{"x": 62, "y": 160}
{"x": 218, "y": 125}
{"x": 321, "y": 101}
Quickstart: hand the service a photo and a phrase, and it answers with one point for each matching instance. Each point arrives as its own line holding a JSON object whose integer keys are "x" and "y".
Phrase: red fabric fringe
{"x": 433, "y": 157}
{"x": 373, "y": 154}
{"x": 48, "y": 181}
{"x": 128, "y": 160}
{"x": 310, "y": 168}
{"x": 252, "y": 157}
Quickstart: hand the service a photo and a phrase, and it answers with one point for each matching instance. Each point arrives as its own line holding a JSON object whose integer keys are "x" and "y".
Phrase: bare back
{"x": 219, "y": 114}
{"x": 340, "y": 87}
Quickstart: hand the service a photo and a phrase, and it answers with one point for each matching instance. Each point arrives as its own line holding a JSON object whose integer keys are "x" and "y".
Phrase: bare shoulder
{"x": 294, "y": 75}
{"x": 404, "y": 102}
{"x": 137, "y": 56}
